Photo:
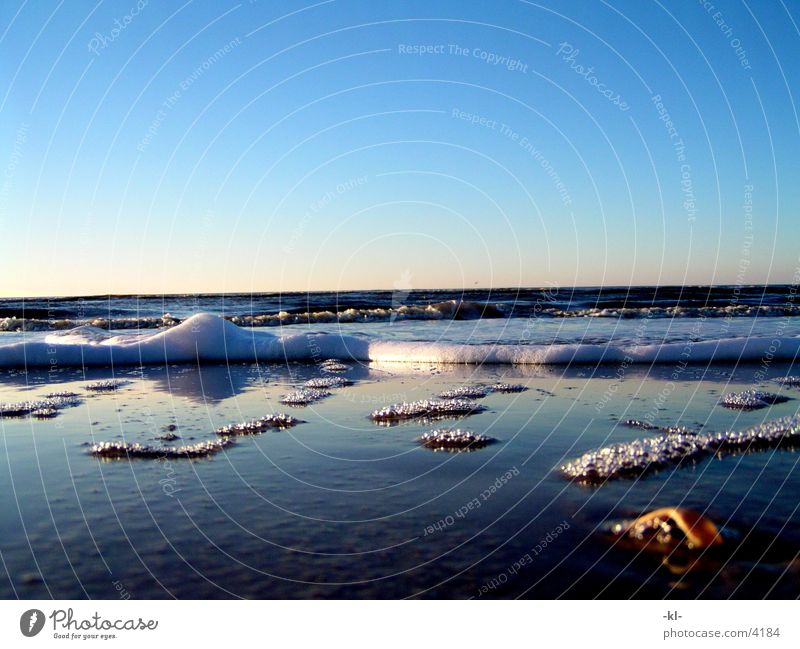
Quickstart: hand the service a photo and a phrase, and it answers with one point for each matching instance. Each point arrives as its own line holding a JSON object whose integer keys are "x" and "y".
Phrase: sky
{"x": 184, "y": 147}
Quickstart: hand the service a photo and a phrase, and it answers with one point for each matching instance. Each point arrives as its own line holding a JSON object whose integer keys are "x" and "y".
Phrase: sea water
{"x": 344, "y": 505}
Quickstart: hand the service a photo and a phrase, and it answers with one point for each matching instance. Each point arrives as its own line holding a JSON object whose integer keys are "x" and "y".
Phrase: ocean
{"x": 460, "y": 444}
{"x": 359, "y": 307}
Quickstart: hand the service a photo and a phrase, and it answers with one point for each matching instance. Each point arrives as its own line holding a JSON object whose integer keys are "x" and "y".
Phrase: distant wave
{"x": 446, "y": 310}
{"x": 207, "y": 338}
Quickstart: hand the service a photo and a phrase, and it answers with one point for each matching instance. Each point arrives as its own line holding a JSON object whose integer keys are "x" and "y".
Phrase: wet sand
{"x": 340, "y": 506}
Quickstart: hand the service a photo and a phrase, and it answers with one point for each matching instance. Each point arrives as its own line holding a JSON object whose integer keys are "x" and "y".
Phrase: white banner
{"x": 401, "y": 624}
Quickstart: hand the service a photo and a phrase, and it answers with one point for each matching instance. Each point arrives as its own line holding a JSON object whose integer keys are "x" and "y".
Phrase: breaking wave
{"x": 125, "y": 312}
{"x": 208, "y": 338}
{"x": 447, "y": 310}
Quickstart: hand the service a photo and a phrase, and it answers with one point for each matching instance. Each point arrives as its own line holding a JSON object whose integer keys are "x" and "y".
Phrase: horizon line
{"x": 389, "y": 290}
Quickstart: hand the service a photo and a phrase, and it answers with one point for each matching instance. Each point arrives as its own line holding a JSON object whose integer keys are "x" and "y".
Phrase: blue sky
{"x": 265, "y": 146}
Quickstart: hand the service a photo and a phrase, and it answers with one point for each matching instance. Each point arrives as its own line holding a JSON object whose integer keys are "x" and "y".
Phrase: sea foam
{"x": 454, "y": 440}
{"x": 678, "y": 447}
{"x": 207, "y": 338}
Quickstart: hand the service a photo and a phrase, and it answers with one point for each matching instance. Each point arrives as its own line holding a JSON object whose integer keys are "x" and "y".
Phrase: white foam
{"x": 121, "y": 450}
{"x": 304, "y": 396}
{"x": 277, "y": 421}
{"x": 465, "y": 392}
{"x": 327, "y": 382}
{"x": 454, "y": 439}
{"x": 207, "y": 338}
{"x": 427, "y": 408}
{"x": 44, "y": 408}
{"x": 677, "y": 446}
{"x": 751, "y": 399}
